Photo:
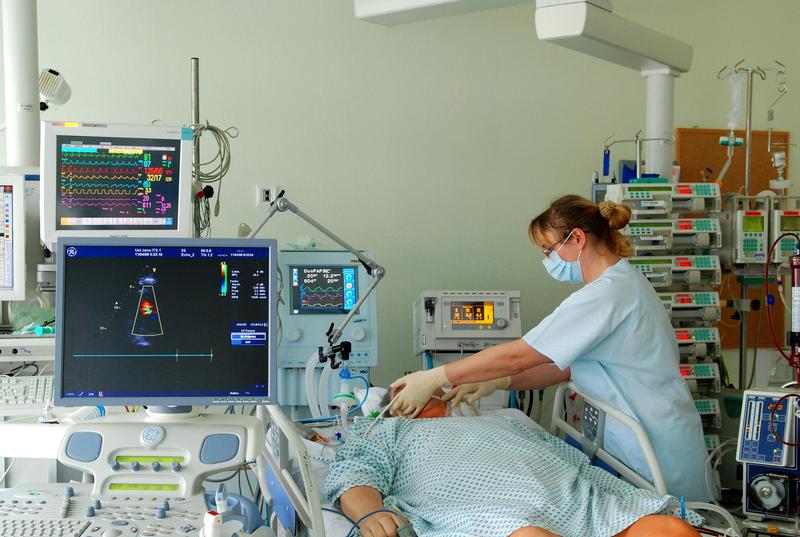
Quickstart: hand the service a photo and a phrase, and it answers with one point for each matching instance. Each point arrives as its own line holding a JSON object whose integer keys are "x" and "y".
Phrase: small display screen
{"x": 323, "y": 290}
{"x": 7, "y": 238}
{"x": 467, "y": 313}
{"x": 790, "y": 223}
{"x": 754, "y": 224}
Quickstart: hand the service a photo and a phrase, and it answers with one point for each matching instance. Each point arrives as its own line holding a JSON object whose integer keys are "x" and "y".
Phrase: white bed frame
{"x": 308, "y": 506}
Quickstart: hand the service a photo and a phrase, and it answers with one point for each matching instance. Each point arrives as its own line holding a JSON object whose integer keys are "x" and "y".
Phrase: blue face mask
{"x": 564, "y": 271}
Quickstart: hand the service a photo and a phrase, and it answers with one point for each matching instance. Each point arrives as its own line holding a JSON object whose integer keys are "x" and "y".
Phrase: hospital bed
{"x": 295, "y": 468}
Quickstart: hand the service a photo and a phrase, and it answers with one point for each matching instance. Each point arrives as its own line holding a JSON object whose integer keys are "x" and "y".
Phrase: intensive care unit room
{"x": 399, "y": 268}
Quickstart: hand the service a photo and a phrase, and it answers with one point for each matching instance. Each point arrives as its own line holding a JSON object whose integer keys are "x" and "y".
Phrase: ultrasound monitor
{"x": 165, "y": 321}
{"x": 12, "y": 236}
{"x": 101, "y": 180}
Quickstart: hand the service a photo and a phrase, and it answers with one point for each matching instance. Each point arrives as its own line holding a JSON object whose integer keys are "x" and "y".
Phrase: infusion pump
{"x": 655, "y": 236}
{"x": 677, "y": 272}
{"x": 784, "y": 222}
{"x": 465, "y": 321}
{"x": 662, "y": 199}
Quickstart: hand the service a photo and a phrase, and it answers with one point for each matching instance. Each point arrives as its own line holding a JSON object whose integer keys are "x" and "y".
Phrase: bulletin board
{"x": 698, "y": 149}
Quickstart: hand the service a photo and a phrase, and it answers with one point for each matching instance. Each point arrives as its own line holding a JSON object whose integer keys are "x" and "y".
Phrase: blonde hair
{"x": 602, "y": 221}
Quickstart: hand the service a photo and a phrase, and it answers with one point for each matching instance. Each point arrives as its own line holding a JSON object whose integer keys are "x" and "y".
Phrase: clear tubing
{"x": 324, "y": 392}
{"x": 311, "y": 388}
{"x": 343, "y": 411}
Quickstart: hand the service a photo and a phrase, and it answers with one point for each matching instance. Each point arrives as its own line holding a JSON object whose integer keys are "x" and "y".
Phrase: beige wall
{"x": 431, "y": 144}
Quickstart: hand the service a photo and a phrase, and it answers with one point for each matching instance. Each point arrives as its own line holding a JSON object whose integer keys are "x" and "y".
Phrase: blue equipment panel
{"x": 766, "y": 425}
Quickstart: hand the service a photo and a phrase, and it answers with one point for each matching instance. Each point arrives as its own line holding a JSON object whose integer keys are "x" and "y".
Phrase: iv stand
{"x": 282, "y": 204}
{"x": 637, "y": 140}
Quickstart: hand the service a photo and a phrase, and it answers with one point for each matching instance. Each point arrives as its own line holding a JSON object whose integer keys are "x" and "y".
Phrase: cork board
{"x": 697, "y": 149}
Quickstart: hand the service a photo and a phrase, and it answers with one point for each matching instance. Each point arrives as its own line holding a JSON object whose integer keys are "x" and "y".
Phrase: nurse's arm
{"x": 539, "y": 377}
{"x": 504, "y": 360}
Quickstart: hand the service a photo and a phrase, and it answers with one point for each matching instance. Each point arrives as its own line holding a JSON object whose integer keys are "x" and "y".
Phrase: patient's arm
{"x": 360, "y": 501}
{"x": 539, "y": 377}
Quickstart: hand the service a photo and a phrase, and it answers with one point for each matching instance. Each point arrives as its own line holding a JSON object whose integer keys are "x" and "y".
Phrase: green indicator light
{"x": 165, "y": 487}
{"x": 146, "y": 459}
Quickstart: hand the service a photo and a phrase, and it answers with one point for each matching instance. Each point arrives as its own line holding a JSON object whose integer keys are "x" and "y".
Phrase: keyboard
{"x": 24, "y": 527}
{"x": 25, "y": 395}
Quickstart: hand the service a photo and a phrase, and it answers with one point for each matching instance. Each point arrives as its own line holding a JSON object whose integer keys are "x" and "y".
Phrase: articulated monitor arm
{"x": 282, "y": 204}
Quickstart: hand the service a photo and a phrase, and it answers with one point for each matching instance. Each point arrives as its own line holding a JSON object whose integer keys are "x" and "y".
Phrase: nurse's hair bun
{"x": 617, "y": 215}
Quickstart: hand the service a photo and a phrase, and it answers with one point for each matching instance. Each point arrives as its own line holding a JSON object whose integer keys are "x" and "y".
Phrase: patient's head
{"x": 435, "y": 408}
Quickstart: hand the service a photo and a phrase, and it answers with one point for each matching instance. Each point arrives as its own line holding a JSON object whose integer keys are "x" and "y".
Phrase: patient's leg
{"x": 649, "y": 526}
{"x": 660, "y": 526}
{"x": 531, "y": 531}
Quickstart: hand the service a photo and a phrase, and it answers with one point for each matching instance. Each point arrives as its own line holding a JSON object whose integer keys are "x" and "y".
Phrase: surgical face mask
{"x": 563, "y": 271}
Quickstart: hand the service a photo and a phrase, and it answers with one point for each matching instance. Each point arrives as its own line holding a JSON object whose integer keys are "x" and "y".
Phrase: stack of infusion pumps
{"x": 676, "y": 237}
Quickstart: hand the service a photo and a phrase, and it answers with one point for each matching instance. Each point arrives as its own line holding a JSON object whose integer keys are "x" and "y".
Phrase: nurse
{"x": 612, "y": 337}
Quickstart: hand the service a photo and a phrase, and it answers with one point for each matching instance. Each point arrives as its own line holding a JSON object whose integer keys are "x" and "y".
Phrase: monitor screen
{"x": 116, "y": 183}
{"x": 12, "y": 238}
{"x": 790, "y": 223}
{"x": 169, "y": 321}
{"x": 472, "y": 313}
{"x": 323, "y": 289}
{"x": 115, "y": 180}
{"x": 754, "y": 224}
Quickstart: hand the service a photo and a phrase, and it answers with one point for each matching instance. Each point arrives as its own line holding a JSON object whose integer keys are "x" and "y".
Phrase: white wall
{"x": 431, "y": 144}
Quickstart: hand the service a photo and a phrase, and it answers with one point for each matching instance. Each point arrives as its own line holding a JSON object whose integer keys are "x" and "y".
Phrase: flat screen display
{"x": 318, "y": 289}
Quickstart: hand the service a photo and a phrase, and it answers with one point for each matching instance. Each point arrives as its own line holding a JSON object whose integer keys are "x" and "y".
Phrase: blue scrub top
{"x": 615, "y": 335}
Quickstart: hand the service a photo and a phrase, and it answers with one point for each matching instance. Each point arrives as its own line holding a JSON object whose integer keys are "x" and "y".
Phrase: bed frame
{"x": 297, "y": 512}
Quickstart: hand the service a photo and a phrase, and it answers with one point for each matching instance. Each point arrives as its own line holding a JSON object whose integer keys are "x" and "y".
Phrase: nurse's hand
{"x": 473, "y": 391}
{"x": 416, "y": 390}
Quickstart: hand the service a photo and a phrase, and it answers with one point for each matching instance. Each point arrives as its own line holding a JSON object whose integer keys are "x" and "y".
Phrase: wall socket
{"x": 265, "y": 194}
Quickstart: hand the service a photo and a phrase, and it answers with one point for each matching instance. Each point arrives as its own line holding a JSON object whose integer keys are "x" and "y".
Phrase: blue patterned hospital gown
{"x": 488, "y": 476}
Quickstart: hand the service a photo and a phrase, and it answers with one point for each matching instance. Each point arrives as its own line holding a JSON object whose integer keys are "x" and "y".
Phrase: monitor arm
{"x": 282, "y": 204}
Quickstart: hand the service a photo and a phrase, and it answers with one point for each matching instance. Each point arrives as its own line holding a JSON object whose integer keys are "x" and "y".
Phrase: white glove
{"x": 475, "y": 390}
{"x": 416, "y": 390}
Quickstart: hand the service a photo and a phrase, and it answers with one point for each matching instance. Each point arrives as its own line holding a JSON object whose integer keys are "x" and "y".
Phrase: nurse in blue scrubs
{"x": 612, "y": 338}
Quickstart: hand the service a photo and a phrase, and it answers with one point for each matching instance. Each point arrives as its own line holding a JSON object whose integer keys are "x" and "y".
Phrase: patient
{"x": 487, "y": 476}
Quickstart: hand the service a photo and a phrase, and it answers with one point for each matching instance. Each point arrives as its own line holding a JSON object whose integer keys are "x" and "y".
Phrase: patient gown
{"x": 488, "y": 476}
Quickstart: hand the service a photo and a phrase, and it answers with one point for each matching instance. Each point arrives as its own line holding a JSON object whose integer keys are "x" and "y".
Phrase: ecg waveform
{"x": 321, "y": 298}
{"x": 118, "y": 182}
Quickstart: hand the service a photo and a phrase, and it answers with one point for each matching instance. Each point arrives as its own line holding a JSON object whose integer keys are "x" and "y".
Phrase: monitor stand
{"x": 173, "y": 412}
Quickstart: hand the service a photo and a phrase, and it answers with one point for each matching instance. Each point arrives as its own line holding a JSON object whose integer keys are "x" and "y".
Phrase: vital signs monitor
{"x": 12, "y": 237}
{"x": 100, "y": 180}
{"x": 165, "y": 321}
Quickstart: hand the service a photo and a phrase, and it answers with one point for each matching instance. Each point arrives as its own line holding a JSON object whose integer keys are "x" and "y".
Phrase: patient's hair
{"x": 569, "y": 212}
{"x": 386, "y": 399}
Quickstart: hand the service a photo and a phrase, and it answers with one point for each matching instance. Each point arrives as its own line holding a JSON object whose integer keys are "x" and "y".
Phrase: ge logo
{"x": 72, "y": 251}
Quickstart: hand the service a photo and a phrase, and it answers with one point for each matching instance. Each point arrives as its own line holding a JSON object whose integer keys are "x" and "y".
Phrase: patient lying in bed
{"x": 487, "y": 476}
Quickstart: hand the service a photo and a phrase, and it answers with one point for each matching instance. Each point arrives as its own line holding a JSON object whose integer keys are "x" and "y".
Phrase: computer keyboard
{"x": 25, "y": 527}
{"x": 25, "y": 395}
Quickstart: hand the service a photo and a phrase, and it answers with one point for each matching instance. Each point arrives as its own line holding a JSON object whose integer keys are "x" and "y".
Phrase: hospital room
{"x": 398, "y": 268}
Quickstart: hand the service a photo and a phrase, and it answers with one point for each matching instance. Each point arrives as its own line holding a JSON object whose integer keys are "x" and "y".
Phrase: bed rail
{"x": 559, "y": 425}
{"x": 282, "y": 437}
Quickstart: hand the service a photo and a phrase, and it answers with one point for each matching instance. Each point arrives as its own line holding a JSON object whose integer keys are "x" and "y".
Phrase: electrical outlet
{"x": 265, "y": 194}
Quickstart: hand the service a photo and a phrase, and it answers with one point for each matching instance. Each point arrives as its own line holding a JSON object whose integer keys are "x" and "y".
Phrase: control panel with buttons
{"x": 751, "y": 237}
{"x": 767, "y": 425}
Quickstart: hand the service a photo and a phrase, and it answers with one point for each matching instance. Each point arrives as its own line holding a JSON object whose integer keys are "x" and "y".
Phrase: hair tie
{"x": 607, "y": 209}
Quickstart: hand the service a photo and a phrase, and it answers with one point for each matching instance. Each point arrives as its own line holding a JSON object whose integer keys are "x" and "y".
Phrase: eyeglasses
{"x": 549, "y": 250}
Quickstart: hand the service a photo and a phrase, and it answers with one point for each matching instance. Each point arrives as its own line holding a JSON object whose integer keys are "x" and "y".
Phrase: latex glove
{"x": 381, "y": 524}
{"x": 416, "y": 390}
{"x": 473, "y": 391}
